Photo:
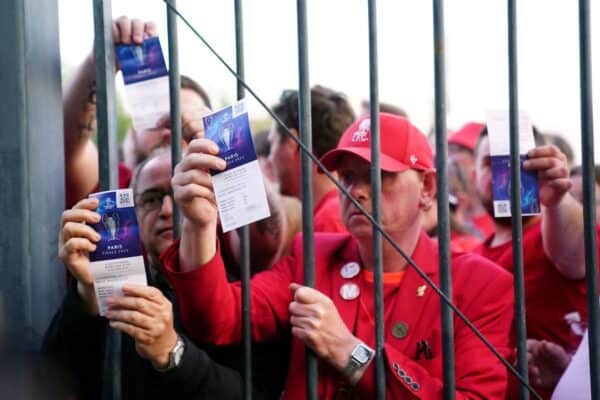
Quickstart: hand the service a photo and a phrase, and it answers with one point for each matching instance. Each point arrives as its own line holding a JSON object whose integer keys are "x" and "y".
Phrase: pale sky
{"x": 476, "y": 57}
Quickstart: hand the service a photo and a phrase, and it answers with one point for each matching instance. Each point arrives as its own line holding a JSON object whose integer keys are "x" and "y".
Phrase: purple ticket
{"x": 501, "y": 183}
{"x": 118, "y": 257}
{"x": 141, "y": 62}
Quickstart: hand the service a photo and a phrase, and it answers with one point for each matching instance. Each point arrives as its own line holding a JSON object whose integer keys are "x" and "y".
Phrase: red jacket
{"x": 211, "y": 311}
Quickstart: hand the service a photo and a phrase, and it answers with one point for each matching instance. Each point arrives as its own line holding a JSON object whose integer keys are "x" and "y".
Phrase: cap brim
{"x": 331, "y": 159}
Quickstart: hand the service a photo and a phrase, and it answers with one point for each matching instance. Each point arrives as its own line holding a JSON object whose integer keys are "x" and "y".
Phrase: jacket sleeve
{"x": 198, "y": 377}
{"x": 479, "y": 374}
{"x": 211, "y": 306}
{"x": 74, "y": 344}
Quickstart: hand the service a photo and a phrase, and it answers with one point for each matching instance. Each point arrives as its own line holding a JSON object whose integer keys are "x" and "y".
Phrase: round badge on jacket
{"x": 350, "y": 270}
{"x": 349, "y": 291}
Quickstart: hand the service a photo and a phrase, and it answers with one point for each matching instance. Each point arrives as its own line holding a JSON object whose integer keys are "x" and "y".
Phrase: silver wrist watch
{"x": 175, "y": 355}
{"x": 360, "y": 356}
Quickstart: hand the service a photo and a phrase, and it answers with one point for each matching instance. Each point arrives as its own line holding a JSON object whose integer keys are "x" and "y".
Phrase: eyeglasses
{"x": 152, "y": 200}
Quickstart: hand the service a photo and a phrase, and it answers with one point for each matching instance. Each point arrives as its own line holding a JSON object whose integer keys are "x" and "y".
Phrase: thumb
{"x": 294, "y": 286}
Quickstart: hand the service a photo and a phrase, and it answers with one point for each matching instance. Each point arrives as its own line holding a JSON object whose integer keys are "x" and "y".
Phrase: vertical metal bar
{"x": 515, "y": 204}
{"x": 174, "y": 99}
{"x": 441, "y": 153}
{"x": 244, "y": 231}
{"x": 376, "y": 203}
{"x": 305, "y": 126}
{"x": 106, "y": 110}
{"x": 32, "y": 178}
{"x": 589, "y": 196}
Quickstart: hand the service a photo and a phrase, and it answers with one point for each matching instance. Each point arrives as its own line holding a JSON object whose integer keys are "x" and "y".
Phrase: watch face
{"x": 361, "y": 354}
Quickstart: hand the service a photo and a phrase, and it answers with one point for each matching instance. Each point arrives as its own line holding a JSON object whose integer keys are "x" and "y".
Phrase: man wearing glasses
{"x": 158, "y": 360}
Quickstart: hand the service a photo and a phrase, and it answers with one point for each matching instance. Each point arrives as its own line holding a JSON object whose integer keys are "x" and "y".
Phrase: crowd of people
{"x": 182, "y": 332}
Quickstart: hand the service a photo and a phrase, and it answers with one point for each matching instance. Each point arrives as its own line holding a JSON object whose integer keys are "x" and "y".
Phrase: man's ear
{"x": 291, "y": 142}
{"x": 429, "y": 189}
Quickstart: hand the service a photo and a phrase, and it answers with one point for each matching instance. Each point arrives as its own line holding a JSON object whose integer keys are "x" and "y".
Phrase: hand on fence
{"x": 553, "y": 173}
{"x": 146, "y": 315}
{"x": 316, "y": 321}
{"x": 547, "y": 362}
{"x": 192, "y": 185}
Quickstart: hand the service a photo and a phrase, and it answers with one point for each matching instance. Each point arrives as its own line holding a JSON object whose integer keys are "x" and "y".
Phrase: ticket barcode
{"x": 239, "y": 108}
{"x": 125, "y": 198}
{"x": 502, "y": 208}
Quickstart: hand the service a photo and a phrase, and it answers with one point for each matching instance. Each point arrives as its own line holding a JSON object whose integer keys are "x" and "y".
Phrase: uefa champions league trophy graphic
{"x": 111, "y": 224}
{"x": 138, "y": 51}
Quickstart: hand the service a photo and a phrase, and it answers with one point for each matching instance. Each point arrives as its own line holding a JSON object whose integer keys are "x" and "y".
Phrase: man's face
{"x": 154, "y": 209}
{"x": 483, "y": 174}
{"x": 285, "y": 161}
{"x": 400, "y": 198}
{"x": 150, "y": 139}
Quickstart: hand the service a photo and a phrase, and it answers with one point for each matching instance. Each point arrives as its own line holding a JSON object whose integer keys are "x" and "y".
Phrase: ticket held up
{"x": 118, "y": 257}
{"x": 146, "y": 82}
{"x": 498, "y": 125}
{"x": 239, "y": 189}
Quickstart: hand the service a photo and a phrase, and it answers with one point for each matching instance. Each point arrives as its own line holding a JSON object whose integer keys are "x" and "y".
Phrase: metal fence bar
{"x": 375, "y": 171}
{"x": 515, "y": 197}
{"x": 589, "y": 196}
{"x": 305, "y": 126}
{"x": 106, "y": 111}
{"x": 175, "y": 103}
{"x": 244, "y": 231}
{"x": 443, "y": 208}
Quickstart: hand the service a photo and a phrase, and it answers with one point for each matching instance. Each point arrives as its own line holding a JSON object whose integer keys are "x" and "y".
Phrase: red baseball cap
{"x": 403, "y": 146}
{"x": 468, "y": 135}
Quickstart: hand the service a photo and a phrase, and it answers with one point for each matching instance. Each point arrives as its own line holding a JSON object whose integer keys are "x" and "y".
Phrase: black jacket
{"x": 75, "y": 344}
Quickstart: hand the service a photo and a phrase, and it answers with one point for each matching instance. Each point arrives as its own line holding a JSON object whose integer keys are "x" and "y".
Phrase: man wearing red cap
{"x": 336, "y": 319}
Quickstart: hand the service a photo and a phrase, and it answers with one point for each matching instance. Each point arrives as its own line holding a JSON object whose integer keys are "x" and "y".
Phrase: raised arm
{"x": 562, "y": 215}
{"x": 79, "y": 114}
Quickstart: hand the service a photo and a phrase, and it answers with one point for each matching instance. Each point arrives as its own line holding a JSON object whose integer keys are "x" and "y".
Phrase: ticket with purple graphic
{"x": 146, "y": 81}
{"x": 499, "y": 138}
{"x": 118, "y": 257}
{"x": 239, "y": 189}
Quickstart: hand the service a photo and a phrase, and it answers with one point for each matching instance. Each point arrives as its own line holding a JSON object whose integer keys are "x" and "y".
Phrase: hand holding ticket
{"x": 239, "y": 189}
{"x": 146, "y": 81}
{"x": 117, "y": 258}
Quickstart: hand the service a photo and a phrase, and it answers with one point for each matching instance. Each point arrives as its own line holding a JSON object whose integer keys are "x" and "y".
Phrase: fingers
{"x": 546, "y": 151}
{"x": 306, "y": 310}
{"x": 123, "y": 30}
{"x": 200, "y": 160}
{"x": 130, "y": 317}
{"x": 140, "y": 335}
{"x": 151, "y": 29}
{"x": 128, "y": 31}
{"x": 305, "y": 323}
{"x": 149, "y": 293}
{"x": 137, "y": 31}
{"x": 73, "y": 230}
{"x": 76, "y": 246}
{"x": 307, "y": 295}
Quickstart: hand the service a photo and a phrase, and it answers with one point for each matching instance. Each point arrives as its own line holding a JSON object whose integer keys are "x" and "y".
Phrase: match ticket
{"x": 146, "y": 82}
{"x": 498, "y": 125}
{"x": 239, "y": 189}
{"x": 118, "y": 257}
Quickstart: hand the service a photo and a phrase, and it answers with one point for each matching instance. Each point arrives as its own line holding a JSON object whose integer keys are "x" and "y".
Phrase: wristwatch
{"x": 360, "y": 356}
{"x": 175, "y": 355}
